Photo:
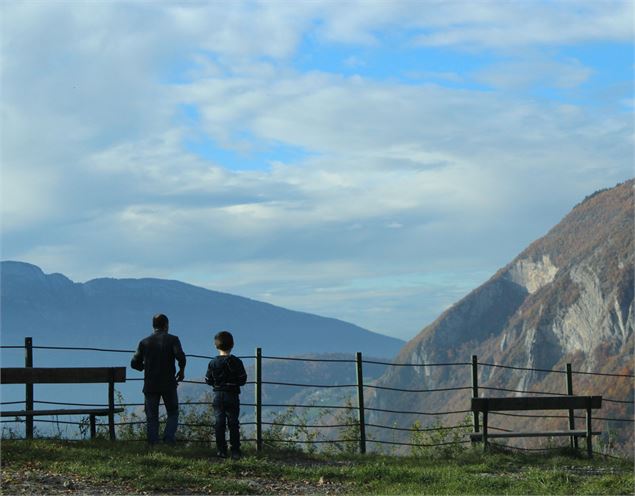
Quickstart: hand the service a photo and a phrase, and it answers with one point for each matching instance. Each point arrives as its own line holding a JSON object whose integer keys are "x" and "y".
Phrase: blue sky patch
{"x": 259, "y": 158}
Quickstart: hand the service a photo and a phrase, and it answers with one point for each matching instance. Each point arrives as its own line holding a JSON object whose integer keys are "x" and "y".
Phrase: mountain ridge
{"x": 139, "y": 299}
{"x": 567, "y": 297}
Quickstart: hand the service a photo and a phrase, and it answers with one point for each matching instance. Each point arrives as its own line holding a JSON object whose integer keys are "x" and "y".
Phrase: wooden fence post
{"x": 258, "y": 390}
{"x": 360, "y": 403}
{"x": 28, "y": 362}
{"x": 111, "y": 405}
{"x": 475, "y": 393}
{"x": 573, "y": 439}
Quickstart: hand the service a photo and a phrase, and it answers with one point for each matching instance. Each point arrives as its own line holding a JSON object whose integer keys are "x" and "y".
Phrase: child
{"x": 226, "y": 373}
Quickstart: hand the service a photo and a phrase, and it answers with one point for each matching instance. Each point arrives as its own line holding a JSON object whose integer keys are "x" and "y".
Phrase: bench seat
{"x": 30, "y": 375}
{"x": 478, "y": 436}
{"x": 100, "y": 412}
{"x": 485, "y": 406}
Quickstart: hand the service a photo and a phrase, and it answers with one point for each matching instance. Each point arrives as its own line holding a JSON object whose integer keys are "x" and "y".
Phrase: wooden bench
{"x": 75, "y": 375}
{"x": 486, "y": 405}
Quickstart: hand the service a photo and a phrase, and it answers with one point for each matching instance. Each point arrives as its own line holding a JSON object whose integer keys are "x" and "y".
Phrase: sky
{"x": 372, "y": 161}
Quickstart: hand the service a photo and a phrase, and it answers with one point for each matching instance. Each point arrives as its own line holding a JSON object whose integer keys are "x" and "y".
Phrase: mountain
{"x": 567, "y": 298}
{"x": 116, "y": 313}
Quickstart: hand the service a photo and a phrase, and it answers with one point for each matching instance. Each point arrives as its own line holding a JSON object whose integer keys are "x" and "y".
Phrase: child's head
{"x": 224, "y": 341}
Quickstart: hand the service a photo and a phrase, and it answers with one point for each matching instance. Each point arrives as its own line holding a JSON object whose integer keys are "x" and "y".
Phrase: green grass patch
{"x": 132, "y": 467}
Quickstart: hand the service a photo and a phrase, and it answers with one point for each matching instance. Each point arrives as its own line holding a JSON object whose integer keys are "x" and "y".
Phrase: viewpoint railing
{"x": 360, "y": 407}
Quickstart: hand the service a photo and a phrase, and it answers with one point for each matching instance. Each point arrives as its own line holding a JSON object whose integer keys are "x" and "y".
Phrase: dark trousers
{"x": 226, "y": 411}
{"x": 171, "y": 402}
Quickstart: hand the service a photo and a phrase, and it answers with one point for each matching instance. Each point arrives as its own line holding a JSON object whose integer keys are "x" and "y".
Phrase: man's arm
{"x": 137, "y": 359}
{"x": 209, "y": 375}
{"x": 180, "y": 358}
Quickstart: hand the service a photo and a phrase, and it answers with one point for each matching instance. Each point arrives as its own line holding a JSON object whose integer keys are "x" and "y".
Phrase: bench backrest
{"x": 536, "y": 403}
{"x": 74, "y": 375}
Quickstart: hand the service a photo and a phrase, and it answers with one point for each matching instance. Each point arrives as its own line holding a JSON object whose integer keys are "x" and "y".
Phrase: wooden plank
{"x": 74, "y": 375}
{"x": 579, "y": 433}
{"x": 73, "y": 411}
{"x": 536, "y": 403}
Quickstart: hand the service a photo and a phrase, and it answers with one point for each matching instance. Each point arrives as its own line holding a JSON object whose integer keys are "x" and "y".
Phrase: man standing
{"x": 155, "y": 355}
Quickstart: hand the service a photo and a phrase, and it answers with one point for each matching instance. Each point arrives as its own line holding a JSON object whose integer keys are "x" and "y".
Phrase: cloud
{"x": 497, "y": 25}
{"x": 407, "y": 195}
{"x": 535, "y": 71}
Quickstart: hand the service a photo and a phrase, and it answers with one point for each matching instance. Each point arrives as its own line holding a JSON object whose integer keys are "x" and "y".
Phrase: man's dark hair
{"x": 159, "y": 321}
{"x": 224, "y": 341}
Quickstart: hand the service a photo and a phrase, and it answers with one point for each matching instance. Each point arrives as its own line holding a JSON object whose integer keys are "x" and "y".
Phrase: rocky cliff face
{"x": 567, "y": 298}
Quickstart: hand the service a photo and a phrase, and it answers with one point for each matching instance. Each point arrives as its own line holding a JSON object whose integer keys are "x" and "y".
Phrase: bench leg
{"x": 589, "y": 436}
{"x": 476, "y": 425}
{"x": 111, "y": 407}
{"x": 485, "y": 441}
{"x": 93, "y": 428}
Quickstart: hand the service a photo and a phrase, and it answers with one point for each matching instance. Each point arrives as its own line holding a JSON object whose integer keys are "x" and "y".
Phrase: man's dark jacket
{"x": 226, "y": 373}
{"x": 155, "y": 355}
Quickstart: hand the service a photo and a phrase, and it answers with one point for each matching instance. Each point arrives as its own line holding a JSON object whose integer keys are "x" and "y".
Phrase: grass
{"x": 130, "y": 467}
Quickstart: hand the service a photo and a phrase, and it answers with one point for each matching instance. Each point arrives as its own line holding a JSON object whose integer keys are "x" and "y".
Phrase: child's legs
{"x": 232, "y": 409}
{"x": 220, "y": 423}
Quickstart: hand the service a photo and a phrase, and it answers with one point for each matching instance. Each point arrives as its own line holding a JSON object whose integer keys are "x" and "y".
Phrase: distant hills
{"x": 116, "y": 313}
{"x": 568, "y": 297}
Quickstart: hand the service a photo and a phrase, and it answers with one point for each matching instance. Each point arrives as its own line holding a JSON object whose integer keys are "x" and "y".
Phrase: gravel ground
{"x": 36, "y": 481}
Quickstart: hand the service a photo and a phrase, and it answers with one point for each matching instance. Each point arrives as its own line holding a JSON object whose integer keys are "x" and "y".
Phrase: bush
{"x": 438, "y": 434}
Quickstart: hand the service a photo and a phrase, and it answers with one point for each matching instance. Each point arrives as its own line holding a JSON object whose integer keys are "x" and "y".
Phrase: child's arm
{"x": 241, "y": 376}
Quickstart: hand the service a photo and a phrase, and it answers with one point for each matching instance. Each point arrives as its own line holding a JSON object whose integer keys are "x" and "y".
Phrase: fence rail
{"x": 361, "y": 424}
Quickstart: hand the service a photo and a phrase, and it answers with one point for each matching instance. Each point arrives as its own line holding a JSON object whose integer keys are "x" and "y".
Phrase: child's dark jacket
{"x": 226, "y": 373}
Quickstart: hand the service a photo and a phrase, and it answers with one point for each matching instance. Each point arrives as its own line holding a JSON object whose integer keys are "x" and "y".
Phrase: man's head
{"x": 160, "y": 322}
{"x": 224, "y": 341}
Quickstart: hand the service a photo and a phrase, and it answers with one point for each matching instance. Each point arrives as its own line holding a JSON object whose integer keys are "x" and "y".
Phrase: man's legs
{"x": 152, "y": 417}
{"x": 171, "y": 402}
{"x": 220, "y": 422}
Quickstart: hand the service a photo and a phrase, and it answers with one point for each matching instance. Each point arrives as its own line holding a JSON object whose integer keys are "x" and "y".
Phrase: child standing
{"x": 226, "y": 373}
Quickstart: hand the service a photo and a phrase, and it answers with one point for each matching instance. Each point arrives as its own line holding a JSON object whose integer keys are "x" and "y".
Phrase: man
{"x": 155, "y": 355}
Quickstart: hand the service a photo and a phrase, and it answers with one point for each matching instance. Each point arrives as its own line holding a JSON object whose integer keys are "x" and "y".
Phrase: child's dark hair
{"x": 224, "y": 341}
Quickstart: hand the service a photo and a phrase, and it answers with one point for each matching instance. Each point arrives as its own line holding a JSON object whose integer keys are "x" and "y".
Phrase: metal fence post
{"x": 475, "y": 392}
{"x": 28, "y": 362}
{"x": 360, "y": 403}
{"x": 574, "y": 439}
{"x": 258, "y": 390}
